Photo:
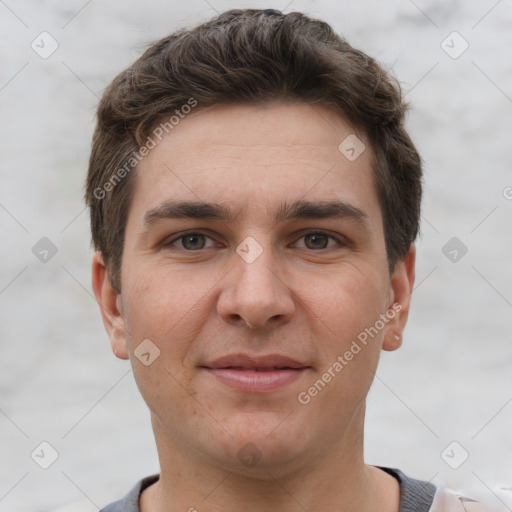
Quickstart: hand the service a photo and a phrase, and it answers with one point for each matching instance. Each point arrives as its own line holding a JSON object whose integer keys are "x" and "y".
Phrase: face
{"x": 255, "y": 291}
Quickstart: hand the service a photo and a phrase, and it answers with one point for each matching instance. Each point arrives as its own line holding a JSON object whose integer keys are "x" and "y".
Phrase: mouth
{"x": 255, "y": 374}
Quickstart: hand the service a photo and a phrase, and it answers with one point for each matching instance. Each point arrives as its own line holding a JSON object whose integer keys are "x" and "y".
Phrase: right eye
{"x": 190, "y": 241}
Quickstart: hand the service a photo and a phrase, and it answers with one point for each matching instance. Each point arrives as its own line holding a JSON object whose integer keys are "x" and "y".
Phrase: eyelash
{"x": 339, "y": 240}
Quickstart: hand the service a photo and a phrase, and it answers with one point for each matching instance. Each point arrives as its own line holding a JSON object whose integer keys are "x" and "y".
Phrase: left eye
{"x": 316, "y": 241}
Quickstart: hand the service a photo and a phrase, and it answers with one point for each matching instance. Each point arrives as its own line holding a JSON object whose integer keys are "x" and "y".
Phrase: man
{"x": 254, "y": 202}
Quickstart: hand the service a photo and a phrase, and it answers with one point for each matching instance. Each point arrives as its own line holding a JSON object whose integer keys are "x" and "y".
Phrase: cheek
{"x": 349, "y": 357}
{"x": 346, "y": 301}
{"x": 159, "y": 299}
{"x": 160, "y": 322}
{"x": 168, "y": 308}
{"x": 348, "y": 304}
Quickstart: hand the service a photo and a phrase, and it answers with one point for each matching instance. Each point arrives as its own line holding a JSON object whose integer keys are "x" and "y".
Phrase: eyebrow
{"x": 300, "y": 209}
{"x": 190, "y": 210}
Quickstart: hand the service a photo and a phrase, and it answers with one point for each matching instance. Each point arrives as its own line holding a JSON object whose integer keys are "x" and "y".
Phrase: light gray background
{"x": 60, "y": 383}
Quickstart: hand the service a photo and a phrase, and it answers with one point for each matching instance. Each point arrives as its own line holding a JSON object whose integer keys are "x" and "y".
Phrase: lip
{"x": 255, "y": 374}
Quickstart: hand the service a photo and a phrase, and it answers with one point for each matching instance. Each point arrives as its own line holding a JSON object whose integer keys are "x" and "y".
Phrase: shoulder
{"x": 130, "y": 503}
{"x": 422, "y": 496}
{"x": 446, "y": 500}
{"x": 415, "y": 495}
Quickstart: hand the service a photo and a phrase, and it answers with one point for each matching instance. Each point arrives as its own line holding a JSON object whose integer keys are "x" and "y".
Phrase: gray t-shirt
{"x": 415, "y": 495}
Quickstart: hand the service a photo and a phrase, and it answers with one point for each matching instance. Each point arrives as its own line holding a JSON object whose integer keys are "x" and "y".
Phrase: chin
{"x": 262, "y": 443}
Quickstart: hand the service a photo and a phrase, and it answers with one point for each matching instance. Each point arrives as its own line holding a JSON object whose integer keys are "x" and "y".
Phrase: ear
{"x": 110, "y": 305}
{"x": 402, "y": 282}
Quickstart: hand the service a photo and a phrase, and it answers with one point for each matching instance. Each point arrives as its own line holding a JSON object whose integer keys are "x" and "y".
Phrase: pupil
{"x": 317, "y": 241}
{"x": 193, "y": 242}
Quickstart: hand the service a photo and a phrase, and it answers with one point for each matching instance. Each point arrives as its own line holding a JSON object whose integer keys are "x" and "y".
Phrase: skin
{"x": 304, "y": 297}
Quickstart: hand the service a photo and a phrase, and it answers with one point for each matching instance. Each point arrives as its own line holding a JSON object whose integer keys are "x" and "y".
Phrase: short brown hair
{"x": 251, "y": 56}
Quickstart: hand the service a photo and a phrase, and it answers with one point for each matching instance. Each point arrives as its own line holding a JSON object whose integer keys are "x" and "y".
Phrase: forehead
{"x": 304, "y": 129}
{"x": 258, "y": 156}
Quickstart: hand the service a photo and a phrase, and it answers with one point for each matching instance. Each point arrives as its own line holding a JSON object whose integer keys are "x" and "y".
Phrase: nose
{"x": 254, "y": 295}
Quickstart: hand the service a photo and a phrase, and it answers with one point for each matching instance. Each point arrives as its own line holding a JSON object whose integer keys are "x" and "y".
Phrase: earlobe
{"x": 110, "y": 303}
{"x": 402, "y": 282}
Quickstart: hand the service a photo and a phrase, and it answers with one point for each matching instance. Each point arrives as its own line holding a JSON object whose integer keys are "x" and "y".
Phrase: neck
{"x": 335, "y": 478}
